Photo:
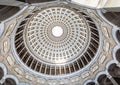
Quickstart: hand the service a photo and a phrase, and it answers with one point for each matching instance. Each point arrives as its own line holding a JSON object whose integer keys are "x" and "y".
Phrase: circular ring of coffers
{"x": 39, "y": 50}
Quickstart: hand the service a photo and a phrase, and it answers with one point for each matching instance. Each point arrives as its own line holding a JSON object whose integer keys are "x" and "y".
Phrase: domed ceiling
{"x": 57, "y": 43}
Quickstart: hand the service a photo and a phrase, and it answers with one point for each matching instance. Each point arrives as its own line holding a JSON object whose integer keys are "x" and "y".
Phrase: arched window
{"x": 9, "y": 81}
{"x": 1, "y": 73}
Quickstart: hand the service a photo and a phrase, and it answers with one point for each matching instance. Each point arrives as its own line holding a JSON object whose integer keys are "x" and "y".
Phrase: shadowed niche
{"x": 9, "y": 81}
{"x": 1, "y": 73}
{"x": 90, "y": 83}
{"x": 118, "y": 55}
{"x": 104, "y": 80}
{"x": 118, "y": 35}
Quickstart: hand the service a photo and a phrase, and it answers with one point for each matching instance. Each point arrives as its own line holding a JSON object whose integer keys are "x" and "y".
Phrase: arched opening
{"x": 7, "y": 11}
{"x": 118, "y": 35}
{"x": 104, "y": 80}
{"x": 118, "y": 55}
{"x": 1, "y": 73}
{"x": 113, "y": 17}
{"x": 90, "y": 83}
{"x": 114, "y": 71}
{"x": 9, "y": 81}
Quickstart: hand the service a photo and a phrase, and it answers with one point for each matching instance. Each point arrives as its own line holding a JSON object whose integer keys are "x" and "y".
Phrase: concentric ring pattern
{"x": 57, "y": 49}
{"x": 45, "y": 53}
